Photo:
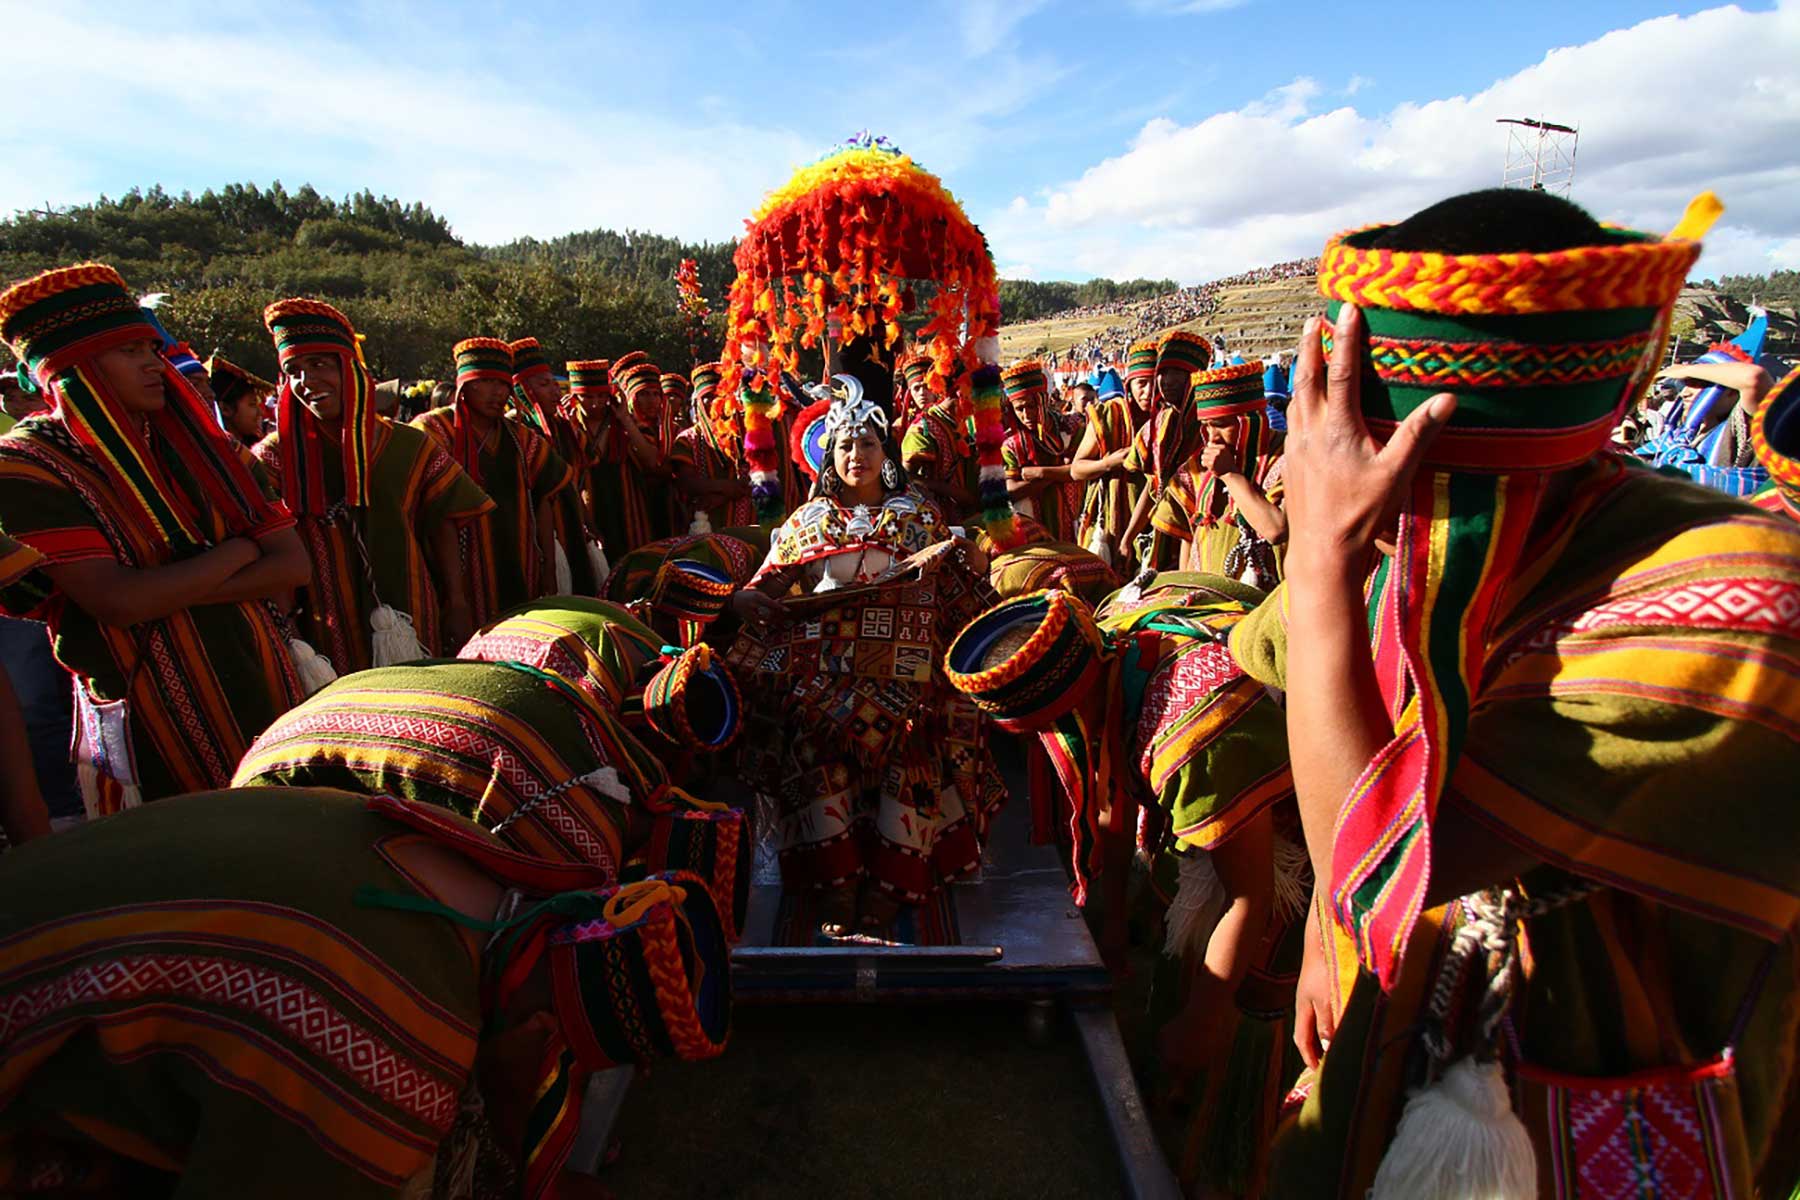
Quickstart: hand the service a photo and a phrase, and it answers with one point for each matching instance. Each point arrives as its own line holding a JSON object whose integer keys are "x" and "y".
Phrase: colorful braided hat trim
{"x": 635, "y": 379}
{"x": 693, "y": 701}
{"x": 1023, "y": 377}
{"x": 627, "y": 361}
{"x": 483, "y": 358}
{"x": 528, "y": 358}
{"x": 713, "y": 843}
{"x": 302, "y": 327}
{"x": 1183, "y": 348}
{"x": 1228, "y": 391}
{"x": 590, "y": 377}
{"x": 1543, "y": 352}
{"x": 688, "y": 589}
{"x": 1775, "y": 433}
{"x": 914, "y": 366}
{"x": 675, "y": 387}
{"x": 1140, "y": 360}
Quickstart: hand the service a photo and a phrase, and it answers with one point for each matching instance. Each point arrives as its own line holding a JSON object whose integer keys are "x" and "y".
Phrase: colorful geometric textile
{"x": 1645, "y": 658}
{"x": 364, "y": 557}
{"x": 864, "y": 541}
{"x": 940, "y": 447}
{"x": 1050, "y": 564}
{"x": 483, "y": 358}
{"x": 519, "y": 469}
{"x": 1227, "y": 391}
{"x": 165, "y": 706}
{"x": 1463, "y": 532}
{"x": 1183, "y": 350}
{"x": 597, "y": 645}
{"x": 713, "y": 844}
{"x": 694, "y": 702}
{"x": 1024, "y": 377}
{"x": 189, "y": 967}
{"x": 1140, "y": 360}
{"x": 517, "y": 750}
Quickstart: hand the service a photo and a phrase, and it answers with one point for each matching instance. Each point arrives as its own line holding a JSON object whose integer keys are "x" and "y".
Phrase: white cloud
{"x": 1181, "y": 8}
{"x": 987, "y": 24}
{"x": 1272, "y": 179}
{"x": 502, "y": 152}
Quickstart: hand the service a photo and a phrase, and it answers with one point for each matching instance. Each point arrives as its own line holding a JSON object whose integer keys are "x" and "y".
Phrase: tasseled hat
{"x": 528, "y": 358}
{"x": 230, "y": 381}
{"x": 1228, "y": 391}
{"x": 483, "y": 358}
{"x": 707, "y": 375}
{"x": 590, "y": 377}
{"x": 1023, "y": 377}
{"x": 1544, "y": 350}
{"x": 626, "y": 362}
{"x": 1184, "y": 349}
{"x": 1775, "y": 432}
{"x": 914, "y": 366}
{"x": 675, "y": 387}
{"x": 56, "y": 323}
{"x": 694, "y": 701}
{"x": 300, "y": 327}
{"x": 1140, "y": 360}
{"x": 635, "y": 378}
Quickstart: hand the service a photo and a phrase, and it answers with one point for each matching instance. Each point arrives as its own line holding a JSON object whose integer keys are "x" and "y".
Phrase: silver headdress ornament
{"x": 850, "y": 412}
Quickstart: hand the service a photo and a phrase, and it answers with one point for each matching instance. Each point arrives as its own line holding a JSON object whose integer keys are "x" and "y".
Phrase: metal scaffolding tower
{"x": 1539, "y": 155}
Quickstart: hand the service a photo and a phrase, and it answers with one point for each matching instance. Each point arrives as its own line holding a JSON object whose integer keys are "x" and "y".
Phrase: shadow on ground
{"x": 871, "y": 1103}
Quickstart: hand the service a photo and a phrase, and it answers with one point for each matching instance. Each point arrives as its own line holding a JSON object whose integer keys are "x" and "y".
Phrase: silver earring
{"x": 890, "y": 475}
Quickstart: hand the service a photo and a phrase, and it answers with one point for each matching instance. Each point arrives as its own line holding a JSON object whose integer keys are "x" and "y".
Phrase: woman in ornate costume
{"x": 880, "y": 774}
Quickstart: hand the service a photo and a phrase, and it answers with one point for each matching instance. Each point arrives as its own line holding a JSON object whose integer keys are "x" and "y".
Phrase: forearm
{"x": 1246, "y": 867}
{"x": 282, "y": 568}
{"x": 546, "y": 542}
{"x": 446, "y": 566}
{"x": 118, "y": 595}
{"x": 1336, "y": 719}
{"x": 1267, "y": 519}
{"x": 1140, "y": 516}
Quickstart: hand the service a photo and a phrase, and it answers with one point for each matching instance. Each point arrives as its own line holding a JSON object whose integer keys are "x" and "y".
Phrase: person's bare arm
{"x": 1343, "y": 488}
{"x": 115, "y": 594}
{"x": 643, "y": 451}
{"x": 453, "y": 589}
{"x": 1245, "y": 864}
{"x": 1140, "y": 516}
{"x": 546, "y": 545}
{"x": 1264, "y": 516}
{"x": 282, "y": 568}
{"x": 1084, "y": 469}
{"x": 22, "y": 812}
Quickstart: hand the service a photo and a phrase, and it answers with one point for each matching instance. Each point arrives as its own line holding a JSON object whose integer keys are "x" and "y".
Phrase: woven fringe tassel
{"x": 598, "y": 565}
{"x": 313, "y": 668}
{"x": 395, "y": 640}
{"x": 606, "y": 781}
{"x": 1293, "y": 878}
{"x": 1194, "y": 912}
{"x": 565, "y": 577}
{"x": 829, "y": 583}
{"x": 1459, "y": 1139}
{"x": 701, "y": 524}
{"x": 1099, "y": 547}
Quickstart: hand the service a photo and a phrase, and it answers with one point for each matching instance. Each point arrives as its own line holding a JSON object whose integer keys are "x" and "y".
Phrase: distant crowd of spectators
{"x": 1147, "y": 317}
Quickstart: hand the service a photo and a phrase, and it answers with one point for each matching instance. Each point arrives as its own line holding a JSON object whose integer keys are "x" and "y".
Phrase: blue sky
{"x": 1188, "y": 138}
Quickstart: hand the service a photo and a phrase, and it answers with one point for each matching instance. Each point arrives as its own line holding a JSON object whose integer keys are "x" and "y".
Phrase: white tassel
{"x": 701, "y": 523}
{"x": 313, "y": 668}
{"x": 1100, "y": 546}
{"x": 1195, "y": 910}
{"x": 829, "y": 583}
{"x": 1293, "y": 878}
{"x": 565, "y": 578}
{"x": 598, "y": 565}
{"x": 395, "y": 640}
{"x": 1459, "y": 1139}
{"x": 606, "y": 781}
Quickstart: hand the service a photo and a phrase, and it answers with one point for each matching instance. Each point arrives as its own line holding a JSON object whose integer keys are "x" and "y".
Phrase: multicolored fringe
{"x": 996, "y": 506}
{"x": 761, "y": 452}
{"x": 1432, "y": 606}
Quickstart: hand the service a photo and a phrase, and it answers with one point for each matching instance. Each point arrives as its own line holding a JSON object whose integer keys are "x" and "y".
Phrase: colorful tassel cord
{"x": 996, "y": 506}
{"x": 761, "y": 452}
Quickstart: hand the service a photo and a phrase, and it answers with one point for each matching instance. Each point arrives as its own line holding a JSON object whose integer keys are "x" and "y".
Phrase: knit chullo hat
{"x": 1775, "y": 432}
{"x": 1544, "y": 348}
{"x": 231, "y": 382}
{"x": 529, "y": 361}
{"x": 590, "y": 377}
{"x": 1183, "y": 349}
{"x": 1033, "y": 664}
{"x": 302, "y": 327}
{"x": 57, "y": 323}
{"x": 1227, "y": 391}
{"x": 637, "y": 972}
{"x": 627, "y": 361}
{"x": 694, "y": 702}
{"x": 483, "y": 358}
{"x": 675, "y": 386}
{"x": 707, "y": 375}
{"x": 636, "y": 378}
{"x": 1140, "y": 360}
{"x": 1233, "y": 393}
{"x": 914, "y": 366}
{"x": 1023, "y": 377}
